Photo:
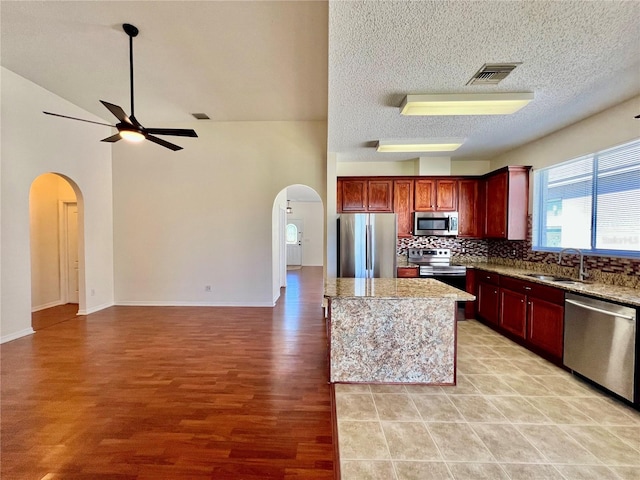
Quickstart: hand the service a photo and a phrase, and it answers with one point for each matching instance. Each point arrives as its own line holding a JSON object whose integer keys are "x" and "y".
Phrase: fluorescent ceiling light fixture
{"x": 465, "y": 103}
{"x": 419, "y": 145}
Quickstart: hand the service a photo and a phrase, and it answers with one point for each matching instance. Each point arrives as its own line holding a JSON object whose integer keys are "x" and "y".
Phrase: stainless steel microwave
{"x": 435, "y": 223}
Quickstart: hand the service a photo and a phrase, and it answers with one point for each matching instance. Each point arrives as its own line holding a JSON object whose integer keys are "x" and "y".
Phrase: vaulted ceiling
{"x": 349, "y": 62}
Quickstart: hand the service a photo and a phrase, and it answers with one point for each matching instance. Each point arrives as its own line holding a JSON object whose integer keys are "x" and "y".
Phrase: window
{"x": 292, "y": 234}
{"x": 591, "y": 203}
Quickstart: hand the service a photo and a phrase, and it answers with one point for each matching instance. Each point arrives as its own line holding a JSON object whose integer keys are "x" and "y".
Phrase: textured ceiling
{"x": 349, "y": 62}
{"x": 577, "y": 57}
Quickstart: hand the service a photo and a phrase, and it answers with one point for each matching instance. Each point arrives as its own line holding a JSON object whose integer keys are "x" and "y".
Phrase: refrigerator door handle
{"x": 368, "y": 249}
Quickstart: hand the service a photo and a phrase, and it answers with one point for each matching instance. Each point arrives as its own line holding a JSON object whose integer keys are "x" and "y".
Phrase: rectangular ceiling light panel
{"x": 408, "y": 146}
{"x": 465, "y": 104}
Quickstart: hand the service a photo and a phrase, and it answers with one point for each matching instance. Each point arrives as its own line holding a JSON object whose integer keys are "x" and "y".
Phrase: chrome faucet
{"x": 582, "y": 273}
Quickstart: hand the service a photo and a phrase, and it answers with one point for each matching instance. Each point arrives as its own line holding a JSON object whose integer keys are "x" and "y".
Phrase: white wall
{"x": 606, "y": 129}
{"x": 203, "y": 215}
{"x": 331, "y": 225}
{"x": 278, "y": 247}
{"x": 470, "y": 167}
{"x": 33, "y": 144}
{"x": 312, "y": 216}
{"x": 355, "y": 169}
{"x": 423, "y": 166}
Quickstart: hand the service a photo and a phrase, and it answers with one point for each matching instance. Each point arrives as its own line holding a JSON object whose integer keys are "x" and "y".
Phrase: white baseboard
{"x": 127, "y": 303}
{"x": 89, "y": 311}
{"x": 47, "y": 305}
{"x": 16, "y": 335}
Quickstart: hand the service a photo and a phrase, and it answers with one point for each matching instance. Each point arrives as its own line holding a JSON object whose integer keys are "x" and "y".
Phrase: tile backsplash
{"x": 609, "y": 270}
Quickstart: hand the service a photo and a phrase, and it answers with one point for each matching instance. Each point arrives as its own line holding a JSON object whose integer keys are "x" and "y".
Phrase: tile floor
{"x": 512, "y": 415}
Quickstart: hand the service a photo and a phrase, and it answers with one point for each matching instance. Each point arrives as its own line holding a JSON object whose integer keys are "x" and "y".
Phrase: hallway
{"x": 172, "y": 393}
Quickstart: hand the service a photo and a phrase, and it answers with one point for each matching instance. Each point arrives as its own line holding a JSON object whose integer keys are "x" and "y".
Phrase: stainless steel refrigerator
{"x": 367, "y": 245}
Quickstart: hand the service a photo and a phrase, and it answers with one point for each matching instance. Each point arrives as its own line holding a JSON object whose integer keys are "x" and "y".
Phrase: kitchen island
{"x": 392, "y": 330}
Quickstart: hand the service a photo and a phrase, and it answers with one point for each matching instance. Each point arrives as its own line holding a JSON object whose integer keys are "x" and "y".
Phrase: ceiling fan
{"x": 128, "y": 127}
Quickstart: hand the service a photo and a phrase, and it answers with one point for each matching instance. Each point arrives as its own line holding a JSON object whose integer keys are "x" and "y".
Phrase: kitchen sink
{"x": 553, "y": 278}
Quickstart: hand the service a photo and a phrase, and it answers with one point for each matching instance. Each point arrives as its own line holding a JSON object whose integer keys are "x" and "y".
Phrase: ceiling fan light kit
{"x": 129, "y": 128}
{"x": 465, "y": 103}
{"x": 419, "y": 145}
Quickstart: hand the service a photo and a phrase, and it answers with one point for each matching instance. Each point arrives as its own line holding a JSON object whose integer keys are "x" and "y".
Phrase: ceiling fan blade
{"x": 80, "y": 119}
{"x": 179, "y": 132}
{"x": 117, "y": 112}
{"x": 112, "y": 138}
{"x": 164, "y": 143}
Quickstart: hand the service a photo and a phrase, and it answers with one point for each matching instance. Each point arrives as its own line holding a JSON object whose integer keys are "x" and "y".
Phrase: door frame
{"x": 63, "y": 248}
{"x": 299, "y": 223}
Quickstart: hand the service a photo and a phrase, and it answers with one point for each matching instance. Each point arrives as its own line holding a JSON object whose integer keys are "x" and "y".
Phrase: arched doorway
{"x": 298, "y": 235}
{"x": 55, "y": 226}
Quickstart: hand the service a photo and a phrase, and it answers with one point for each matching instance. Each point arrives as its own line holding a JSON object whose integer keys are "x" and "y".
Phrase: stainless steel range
{"x": 436, "y": 263}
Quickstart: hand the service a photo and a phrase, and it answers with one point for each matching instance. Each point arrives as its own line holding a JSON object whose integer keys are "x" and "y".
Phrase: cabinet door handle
{"x": 527, "y": 288}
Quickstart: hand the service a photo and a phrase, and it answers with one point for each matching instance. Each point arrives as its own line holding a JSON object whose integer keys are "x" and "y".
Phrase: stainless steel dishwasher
{"x": 599, "y": 342}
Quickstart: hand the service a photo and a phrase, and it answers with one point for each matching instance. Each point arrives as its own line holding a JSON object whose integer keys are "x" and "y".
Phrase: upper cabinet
{"x": 470, "y": 211}
{"x": 365, "y": 195}
{"x": 380, "y": 196}
{"x": 506, "y": 201}
{"x": 403, "y": 205}
{"x": 492, "y": 206}
{"x": 436, "y": 195}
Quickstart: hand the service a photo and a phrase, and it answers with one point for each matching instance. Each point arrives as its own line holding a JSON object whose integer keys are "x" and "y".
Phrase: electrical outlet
{"x": 513, "y": 252}
{"x": 207, "y": 288}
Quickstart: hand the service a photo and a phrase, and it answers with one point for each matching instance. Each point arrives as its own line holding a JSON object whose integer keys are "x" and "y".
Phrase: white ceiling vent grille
{"x": 492, "y": 73}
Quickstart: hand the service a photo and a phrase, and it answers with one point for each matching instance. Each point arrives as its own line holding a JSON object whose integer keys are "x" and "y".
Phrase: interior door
{"x": 72, "y": 252}
{"x": 294, "y": 235}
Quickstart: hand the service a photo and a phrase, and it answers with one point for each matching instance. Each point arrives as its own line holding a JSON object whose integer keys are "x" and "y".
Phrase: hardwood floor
{"x": 173, "y": 393}
{"x": 54, "y": 315}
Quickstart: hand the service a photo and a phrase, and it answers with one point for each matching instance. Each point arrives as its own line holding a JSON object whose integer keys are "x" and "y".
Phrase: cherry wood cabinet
{"x": 528, "y": 312}
{"x": 365, "y": 195}
{"x": 380, "y": 196}
{"x": 513, "y": 312}
{"x": 533, "y": 312}
{"x": 352, "y": 195}
{"x": 432, "y": 195}
{"x": 403, "y": 206}
{"x": 407, "y": 272}
{"x": 470, "y": 211}
{"x": 470, "y": 287}
{"x": 488, "y": 297}
{"x": 506, "y": 203}
{"x": 546, "y": 326}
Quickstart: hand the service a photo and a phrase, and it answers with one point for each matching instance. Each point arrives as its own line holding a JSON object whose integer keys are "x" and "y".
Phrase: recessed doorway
{"x": 55, "y": 255}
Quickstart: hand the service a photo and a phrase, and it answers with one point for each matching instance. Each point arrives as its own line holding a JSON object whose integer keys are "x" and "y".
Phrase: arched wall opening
{"x": 299, "y": 206}
{"x": 56, "y": 249}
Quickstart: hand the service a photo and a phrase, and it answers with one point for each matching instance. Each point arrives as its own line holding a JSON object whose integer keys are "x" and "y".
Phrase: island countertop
{"x": 392, "y": 288}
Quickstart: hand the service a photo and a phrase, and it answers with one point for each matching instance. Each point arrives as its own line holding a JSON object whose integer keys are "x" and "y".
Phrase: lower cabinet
{"x": 513, "y": 312}
{"x": 407, "y": 272}
{"x": 530, "y": 312}
{"x": 488, "y": 302}
{"x": 546, "y": 326}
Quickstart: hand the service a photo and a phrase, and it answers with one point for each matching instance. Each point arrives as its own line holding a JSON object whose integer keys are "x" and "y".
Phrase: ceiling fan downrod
{"x": 132, "y": 31}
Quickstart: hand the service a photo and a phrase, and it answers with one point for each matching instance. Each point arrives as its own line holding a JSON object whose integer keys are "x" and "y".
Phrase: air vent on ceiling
{"x": 201, "y": 116}
{"x": 492, "y": 73}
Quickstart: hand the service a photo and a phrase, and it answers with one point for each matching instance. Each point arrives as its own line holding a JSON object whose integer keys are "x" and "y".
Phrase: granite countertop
{"x": 392, "y": 288}
{"x": 628, "y": 295}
